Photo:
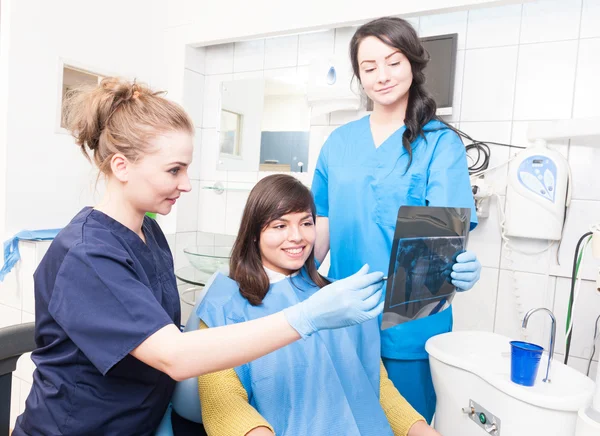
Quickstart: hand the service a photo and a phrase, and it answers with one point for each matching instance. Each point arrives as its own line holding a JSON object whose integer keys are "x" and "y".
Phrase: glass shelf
{"x": 191, "y": 275}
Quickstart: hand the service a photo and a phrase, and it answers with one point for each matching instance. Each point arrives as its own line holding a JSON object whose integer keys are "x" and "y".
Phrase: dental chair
{"x": 15, "y": 341}
{"x": 186, "y": 400}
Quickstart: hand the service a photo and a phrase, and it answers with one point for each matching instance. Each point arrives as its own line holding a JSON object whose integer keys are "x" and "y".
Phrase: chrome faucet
{"x": 552, "y": 336}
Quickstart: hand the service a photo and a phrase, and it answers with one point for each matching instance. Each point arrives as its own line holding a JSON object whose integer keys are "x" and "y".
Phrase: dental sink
{"x": 475, "y": 395}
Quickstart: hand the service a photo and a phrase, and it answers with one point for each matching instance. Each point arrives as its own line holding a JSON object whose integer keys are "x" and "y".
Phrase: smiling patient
{"x": 329, "y": 383}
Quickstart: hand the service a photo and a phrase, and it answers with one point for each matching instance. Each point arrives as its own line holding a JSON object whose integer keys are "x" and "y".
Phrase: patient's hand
{"x": 263, "y": 431}
{"x": 420, "y": 428}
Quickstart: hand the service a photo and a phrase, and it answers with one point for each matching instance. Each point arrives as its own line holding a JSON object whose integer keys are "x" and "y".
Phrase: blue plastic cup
{"x": 524, "y": 362}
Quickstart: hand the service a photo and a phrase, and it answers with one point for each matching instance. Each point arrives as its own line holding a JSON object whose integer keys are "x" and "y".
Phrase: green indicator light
{"x": 482, "y": 418}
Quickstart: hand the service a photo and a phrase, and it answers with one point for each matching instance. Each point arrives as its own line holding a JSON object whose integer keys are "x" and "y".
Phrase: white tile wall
{"x": 550, "y": 20}
{"x": 491, "y": 27}
{"x": 488, "y": 84}
{"x": 315, "y": 45}
{"x": 590, "y": 17}
{"x": 515, "y": 63}
{"x": 187, "y": 209}
{"x": 545, "y": 81}
{"x": 587, "y": 85}
{"x": 281, "y": 52}
{"x": 193, "y": 98}
{"x": 219, "y": 59}
{"x": 249, "y": 56}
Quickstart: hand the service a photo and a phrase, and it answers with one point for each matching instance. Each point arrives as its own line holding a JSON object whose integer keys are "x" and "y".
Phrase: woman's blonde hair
{"x": 118, "y": 116}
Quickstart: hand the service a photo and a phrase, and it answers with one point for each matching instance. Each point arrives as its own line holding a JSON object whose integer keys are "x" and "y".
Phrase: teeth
{"x": 294, "y": 250}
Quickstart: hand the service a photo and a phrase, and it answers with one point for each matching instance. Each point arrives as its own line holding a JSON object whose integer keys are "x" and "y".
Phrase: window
{"x": 72, "y": 78}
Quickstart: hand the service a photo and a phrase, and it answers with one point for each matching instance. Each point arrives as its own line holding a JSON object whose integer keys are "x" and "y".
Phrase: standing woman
{"x": 106, "y": 301}
{"x": 401, "y": 154}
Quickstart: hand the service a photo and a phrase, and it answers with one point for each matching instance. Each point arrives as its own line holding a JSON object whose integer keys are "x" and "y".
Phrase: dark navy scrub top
{"x": 100, "y": 291}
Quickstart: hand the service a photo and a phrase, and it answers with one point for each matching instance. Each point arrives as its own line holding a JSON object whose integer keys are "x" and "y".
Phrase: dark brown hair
{"x": 399, "y": 34}
{"x": 271, "y": 198}
{"x": 118, "y": 116}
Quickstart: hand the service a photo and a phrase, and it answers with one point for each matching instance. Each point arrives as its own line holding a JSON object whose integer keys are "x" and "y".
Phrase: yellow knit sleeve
{"x": 400, "y": 414}
{"x": 225, "y": 407}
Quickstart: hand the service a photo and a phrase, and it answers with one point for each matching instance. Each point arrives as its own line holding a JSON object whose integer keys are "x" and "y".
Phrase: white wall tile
{"x": 485, "y": 239}
{"x": 491, "y": 27}
{"x": 545, "y": 80}
{"x": 474, "y": 309}
{"x": 414, "y": 21}
{"x": 590, "y": 17}
{"x": 197, "y": 158}
{"x": 9, "y": 316}
{"x": 237, "y": 195}
{"x": 550, "y": 20}
{"x": 195, "y": 59}
{"x": 587, "y": 85}
{"x": 10, "y": 289}
{"x": 317, "y": 45}
{"x": 210, "y": 156}
{"x": 338, "y": 118}
{"x": 343, "y": 35}
{"x": 187, "y": 209}
{"x": 219, "y": 59}
{"x": 248, "y": 75}
{"x": 172, "y": 241}
{"x": 281, "y": 52}
{"x": 318, "y": 136}
{"x": 586, "y": 311}
{"x": 249, "y": 56}
{"x": 517, "y": 296}
{"x": 193, "y": 97}
{"x": 583, "y": 153}
{"x": 281, "y": 73}
{"x": 212, "y": 96}
{"x": 519, "y": 138}
{"x": 441, "y": 24}
{"x": 242, "y": 176}
{"x": 15, "y": 401}
{"x": 205, "y": 239}
{"x": 211, "y": 209}
{"x": 222, "y": 240}
{"x": 581, "y": 365}
{"x": 183, "y": 240}
{"x": 488, "y": 84}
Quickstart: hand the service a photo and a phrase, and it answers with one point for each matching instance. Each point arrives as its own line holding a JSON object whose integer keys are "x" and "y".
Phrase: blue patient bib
{"x": 327, "y": 384}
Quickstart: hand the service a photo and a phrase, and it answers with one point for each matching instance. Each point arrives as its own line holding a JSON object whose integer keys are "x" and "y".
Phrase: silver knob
{"x": 491, "y": 429}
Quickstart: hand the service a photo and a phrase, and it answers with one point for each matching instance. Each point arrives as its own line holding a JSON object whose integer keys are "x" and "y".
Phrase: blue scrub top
{"x": 360, "y": 188}
{"x": 100, "y": 291}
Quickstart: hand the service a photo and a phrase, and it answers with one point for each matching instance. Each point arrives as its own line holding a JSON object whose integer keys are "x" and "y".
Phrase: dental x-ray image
{"x": 426, "y": 243}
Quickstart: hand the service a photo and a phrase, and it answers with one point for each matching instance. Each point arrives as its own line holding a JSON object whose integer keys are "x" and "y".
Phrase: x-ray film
{"x": 426, "y": 243}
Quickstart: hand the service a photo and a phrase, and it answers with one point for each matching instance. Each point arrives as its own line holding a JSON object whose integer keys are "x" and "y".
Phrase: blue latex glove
{"x": 466, "y": 271}
{"x": 344, "y": 303}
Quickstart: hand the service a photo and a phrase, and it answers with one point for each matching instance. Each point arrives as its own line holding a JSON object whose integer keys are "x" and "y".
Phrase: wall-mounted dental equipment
{"x": 538, "y": 194}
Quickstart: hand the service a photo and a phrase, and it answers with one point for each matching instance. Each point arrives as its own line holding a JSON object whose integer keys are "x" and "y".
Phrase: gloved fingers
{"x": 375, "y": 312}
{"x": 361, "y": 272}
{"x": 368, "y": 291}
{"x": 465, "y": 276}
{"x": 466, "y": 266}
{"x": 363, "y": 281}
{"x": 462, "y": 286}
{"x": 373, "y": 300}
{"x": 466, "y": 256}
